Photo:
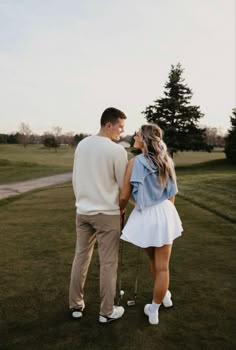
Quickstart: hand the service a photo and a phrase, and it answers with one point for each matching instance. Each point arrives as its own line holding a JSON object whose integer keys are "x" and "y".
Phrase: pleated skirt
{"x": 155, "y": 226}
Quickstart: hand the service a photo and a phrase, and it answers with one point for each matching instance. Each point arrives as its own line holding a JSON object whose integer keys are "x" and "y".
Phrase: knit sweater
{"x": 98, "y": 174}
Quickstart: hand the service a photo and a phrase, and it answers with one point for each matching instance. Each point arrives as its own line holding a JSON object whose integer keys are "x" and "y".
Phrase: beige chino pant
{"x": 106, "y": 230}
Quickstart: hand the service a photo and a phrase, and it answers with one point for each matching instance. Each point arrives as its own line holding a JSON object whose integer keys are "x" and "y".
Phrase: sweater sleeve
{"x": 120, "y": 164}
{"x": 74, "y": 182}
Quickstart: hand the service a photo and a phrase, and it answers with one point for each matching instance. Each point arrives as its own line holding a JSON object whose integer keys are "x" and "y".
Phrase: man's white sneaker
{"x": 152, "y": 316}
{"x": 117, "y": 313}
{"x": 76, "y": 313}
{"x": 167, "y": 302}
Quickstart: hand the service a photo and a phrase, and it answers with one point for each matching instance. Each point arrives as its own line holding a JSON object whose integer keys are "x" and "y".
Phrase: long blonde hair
{"x": 155, "y": 149}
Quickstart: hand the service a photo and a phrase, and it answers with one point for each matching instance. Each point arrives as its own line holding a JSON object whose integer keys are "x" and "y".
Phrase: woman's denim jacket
{"x": 146, "y": 187}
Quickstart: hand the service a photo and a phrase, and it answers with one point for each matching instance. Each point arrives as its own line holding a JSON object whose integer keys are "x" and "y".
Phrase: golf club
{"x": 121, "y": 292}
{"x": 133, "y": 301}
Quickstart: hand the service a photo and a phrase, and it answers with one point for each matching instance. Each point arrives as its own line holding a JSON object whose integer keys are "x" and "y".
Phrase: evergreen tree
{"x": 13, "y": 138}
{"x": 79, "y": 137}
{"x": 176, "y": 116}
{"x": 3, "y": 138}
{"x": 50, "y": 141}
{"x": 230, "y": 140}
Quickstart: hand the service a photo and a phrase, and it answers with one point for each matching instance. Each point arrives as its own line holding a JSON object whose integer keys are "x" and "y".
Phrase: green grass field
{"x": 37, "y": 239}
{"x": 18, "y": 163}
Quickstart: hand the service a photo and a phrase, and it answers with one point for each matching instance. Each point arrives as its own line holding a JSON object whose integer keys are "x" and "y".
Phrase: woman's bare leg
{"x": 161, "y": 282}
{"x": 151, "y": 254}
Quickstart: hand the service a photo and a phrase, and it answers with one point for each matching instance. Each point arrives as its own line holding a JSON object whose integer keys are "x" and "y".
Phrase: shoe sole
{"x": 108, "y": 320}
{"x": 154, "y": 324}
{"x": 76, "y": 314}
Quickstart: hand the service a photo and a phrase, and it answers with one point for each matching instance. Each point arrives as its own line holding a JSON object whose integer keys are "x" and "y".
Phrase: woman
{"x": 154, "y": 223}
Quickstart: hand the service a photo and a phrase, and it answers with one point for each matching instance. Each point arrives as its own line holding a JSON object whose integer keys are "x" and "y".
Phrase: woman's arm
{"x": 172, "y": 199}
{"x": 127, "y": 188}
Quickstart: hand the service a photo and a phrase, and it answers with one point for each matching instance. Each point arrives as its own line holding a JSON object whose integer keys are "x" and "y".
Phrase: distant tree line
{"x": 214, "y": 137}
{"x": 174, "y": 113}
{"x": 53, "y": 139}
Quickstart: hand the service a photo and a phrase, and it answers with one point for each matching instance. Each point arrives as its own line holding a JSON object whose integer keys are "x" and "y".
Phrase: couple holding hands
{"x": 103, "y": 182}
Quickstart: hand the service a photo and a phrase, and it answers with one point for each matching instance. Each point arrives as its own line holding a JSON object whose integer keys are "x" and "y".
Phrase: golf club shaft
{"x": 121, "y": 260}
{"x": 133, "y": 302}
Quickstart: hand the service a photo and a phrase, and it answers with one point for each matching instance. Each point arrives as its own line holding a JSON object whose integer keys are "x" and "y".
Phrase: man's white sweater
{"x": 98, "y": 174}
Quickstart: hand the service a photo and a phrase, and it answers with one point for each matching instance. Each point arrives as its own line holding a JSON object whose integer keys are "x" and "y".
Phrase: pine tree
{"x": 230, "y": 140}
{"x": 176, "y": 116}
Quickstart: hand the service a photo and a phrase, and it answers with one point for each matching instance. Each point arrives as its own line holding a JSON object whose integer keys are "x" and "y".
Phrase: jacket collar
{"x": 146, "y": 162}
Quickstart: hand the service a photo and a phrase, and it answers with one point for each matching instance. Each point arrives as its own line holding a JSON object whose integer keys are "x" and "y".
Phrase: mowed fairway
{"x": 37, "y": 242}
{"x": 18, "y": 163}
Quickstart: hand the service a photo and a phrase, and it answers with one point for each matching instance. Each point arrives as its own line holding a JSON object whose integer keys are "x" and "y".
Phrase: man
{"x": 98, "y": 173}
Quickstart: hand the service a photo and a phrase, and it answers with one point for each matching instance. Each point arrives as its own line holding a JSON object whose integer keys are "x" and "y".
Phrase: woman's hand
{"x": 172, "y": 199}
{"x": 127, "y": 188}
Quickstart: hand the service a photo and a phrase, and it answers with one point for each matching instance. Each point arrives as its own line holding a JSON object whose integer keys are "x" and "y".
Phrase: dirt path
{"x": 25, "y": 186}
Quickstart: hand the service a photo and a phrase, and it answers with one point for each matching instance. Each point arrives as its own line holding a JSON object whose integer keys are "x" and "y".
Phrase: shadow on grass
{"x": 208, "y": 208}
{"x": 9, "y": 200}
{"x": 6, "y": 162}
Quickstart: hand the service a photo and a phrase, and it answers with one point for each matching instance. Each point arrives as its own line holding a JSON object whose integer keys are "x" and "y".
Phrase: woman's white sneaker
{"x": 153, "y": 317}
{"x": 167, "y": 302}
{"x": 117, "y": 313}
{"x": 146, "y": 309}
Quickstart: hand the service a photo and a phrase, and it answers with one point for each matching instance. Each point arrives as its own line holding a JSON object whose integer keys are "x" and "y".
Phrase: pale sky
{"x": 62, "y": 62}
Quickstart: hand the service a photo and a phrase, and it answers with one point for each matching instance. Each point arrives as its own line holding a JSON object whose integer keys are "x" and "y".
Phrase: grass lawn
{"x": 189, "y": 158}
{"x": 210, "y": 185}
{"x": 37, "y": 242}
{"x": 18, "y": 163}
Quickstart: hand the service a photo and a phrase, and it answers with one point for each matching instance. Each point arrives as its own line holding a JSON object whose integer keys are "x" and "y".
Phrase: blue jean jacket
{"x": 146, "y": 189}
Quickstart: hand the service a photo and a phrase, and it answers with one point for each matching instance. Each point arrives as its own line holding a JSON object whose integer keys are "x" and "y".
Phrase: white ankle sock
{"x": 154, "y": 307}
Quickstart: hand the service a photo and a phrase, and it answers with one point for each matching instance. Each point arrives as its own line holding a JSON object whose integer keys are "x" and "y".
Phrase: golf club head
{"x": 121, "y": 294}
{"x": 131, "y": 302}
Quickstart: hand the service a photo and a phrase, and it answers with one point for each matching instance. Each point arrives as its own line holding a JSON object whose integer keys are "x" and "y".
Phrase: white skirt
{"x": 155, "y": 226}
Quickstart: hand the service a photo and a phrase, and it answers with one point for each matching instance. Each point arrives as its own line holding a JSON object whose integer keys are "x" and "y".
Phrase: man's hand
{"x": 122, "y": 215}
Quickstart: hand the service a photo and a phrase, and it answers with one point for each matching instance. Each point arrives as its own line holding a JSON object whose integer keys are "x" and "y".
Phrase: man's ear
{"x": 109, "y": 125}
